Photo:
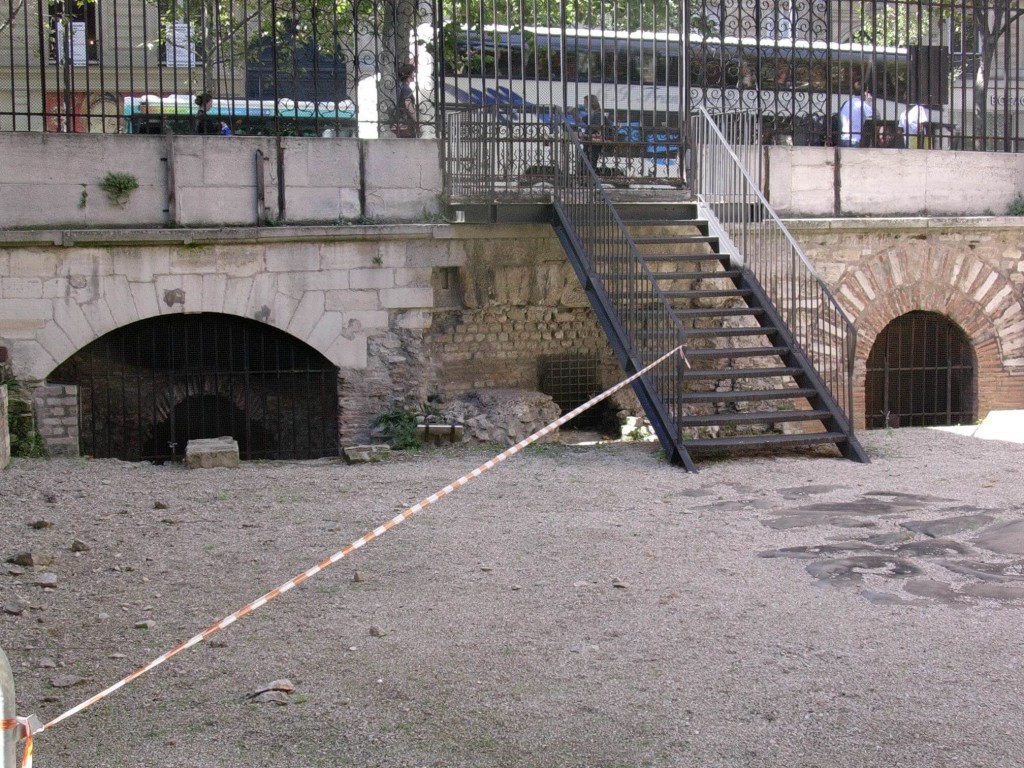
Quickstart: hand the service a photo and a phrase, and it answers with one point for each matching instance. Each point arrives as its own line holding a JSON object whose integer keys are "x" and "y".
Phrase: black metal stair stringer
{"x": 604, "y": 308}
{"x": 837, "y": 420}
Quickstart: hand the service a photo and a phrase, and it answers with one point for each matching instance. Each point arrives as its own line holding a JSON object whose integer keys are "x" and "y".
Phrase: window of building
{"x": 74, "y": 32}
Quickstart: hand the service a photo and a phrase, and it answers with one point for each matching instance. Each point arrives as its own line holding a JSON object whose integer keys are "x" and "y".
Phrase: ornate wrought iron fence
{"x": 818, "y": 323}
{"x": 627, "y": 73}
{"x": 939, "y": 74}
{"x": 307, "y": 67}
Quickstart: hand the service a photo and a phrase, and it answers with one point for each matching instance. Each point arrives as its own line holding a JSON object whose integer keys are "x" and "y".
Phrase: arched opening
{"x": 146, "y": 389}
{"x": 920, "y": 373}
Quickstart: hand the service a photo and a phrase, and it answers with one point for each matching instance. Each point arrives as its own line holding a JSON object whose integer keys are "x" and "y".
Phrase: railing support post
{"x": 8, "y": 736}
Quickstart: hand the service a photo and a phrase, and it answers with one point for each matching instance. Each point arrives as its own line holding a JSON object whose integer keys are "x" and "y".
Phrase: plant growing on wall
{"x": 119, "y": 187}
{"x": 25, "y": 440}
{"x": 398, "y": 428}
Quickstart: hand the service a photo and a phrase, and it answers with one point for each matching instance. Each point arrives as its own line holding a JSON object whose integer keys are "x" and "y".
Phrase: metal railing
{"x": 621, "y": 279}
{"x": 760, "y": 241}
{"x": 614, "y": 262}
{"x": 492, "y": 154}
{"x": 270, "y": 68}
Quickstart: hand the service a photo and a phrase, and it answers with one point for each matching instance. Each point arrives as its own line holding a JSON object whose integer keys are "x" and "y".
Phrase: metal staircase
{"x": 749, "y": 385}
{"x": 767, "y": 351}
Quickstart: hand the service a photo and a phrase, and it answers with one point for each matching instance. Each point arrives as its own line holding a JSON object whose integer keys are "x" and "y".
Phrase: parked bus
{"x": 176, "y": 113}
{"x": 797, "y": 86}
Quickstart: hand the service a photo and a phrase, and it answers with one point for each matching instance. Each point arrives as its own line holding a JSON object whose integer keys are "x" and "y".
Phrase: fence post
{"x": 8, "y": 736}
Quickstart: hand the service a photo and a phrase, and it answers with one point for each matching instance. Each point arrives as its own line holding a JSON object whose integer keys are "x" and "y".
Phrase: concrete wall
{"x": 801, "y": 181}
{"x": 52, "y": 180}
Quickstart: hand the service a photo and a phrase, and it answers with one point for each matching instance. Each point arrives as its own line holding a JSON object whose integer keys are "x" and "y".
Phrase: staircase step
{"x": 725, "y": 293}
{"x": 668, "y": 221}
{"x": 699, "y": 312}
{"x": 687, "y": 257}
{"x": 747, "y": 395}
{"x": 710, "y": 293}
{"x": 676, "y": 240}
{"x": 711, "y": 333}
{"x": 722, "y": 274}
{"x": 714, "y": 353}
{"x": 757, "y": 441}
{"x": 740, "y": 373}
{"x": 753, "y": 417}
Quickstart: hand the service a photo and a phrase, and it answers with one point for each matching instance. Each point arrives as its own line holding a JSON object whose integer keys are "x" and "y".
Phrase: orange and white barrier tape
{"x": 323, "y": 564}
{"x": 28, "y": 726}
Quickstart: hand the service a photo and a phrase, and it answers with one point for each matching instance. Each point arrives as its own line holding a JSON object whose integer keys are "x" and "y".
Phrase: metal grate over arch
{"x": 920, "y": 373}
{"x": 146, "y": 389}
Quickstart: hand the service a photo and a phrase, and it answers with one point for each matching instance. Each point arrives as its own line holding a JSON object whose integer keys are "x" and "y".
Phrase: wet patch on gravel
{"x": 963, "y": 556}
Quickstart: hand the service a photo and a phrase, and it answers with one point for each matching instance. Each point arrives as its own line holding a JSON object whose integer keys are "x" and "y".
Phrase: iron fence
{"x": 626, "y": 73}
{"x": 820, "y": 327}
{"x": 889, "y": 73}
{"x": 216, "y": 66}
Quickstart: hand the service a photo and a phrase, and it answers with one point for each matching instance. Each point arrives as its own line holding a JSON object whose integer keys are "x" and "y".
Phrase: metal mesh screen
{"x": 920, "y": 373}
{"x": 146, "y": 389}
{"x": 571, "y": 380}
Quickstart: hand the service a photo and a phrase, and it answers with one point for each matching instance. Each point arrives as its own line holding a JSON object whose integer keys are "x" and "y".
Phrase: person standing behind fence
{"x": 913, "y": 122}
{"x": 593, "y": 128}
{"x": 404, "y": 122}
{"x": 204, "y": 124}
{"x": 852, "y": 115}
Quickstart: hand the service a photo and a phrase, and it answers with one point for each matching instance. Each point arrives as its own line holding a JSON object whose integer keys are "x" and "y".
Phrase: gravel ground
{"x": 588, "y": 607}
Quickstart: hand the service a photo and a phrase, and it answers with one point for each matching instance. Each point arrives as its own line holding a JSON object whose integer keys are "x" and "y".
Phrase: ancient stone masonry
{"x": 56, "y": 408}
{"x": 970, "y": 270}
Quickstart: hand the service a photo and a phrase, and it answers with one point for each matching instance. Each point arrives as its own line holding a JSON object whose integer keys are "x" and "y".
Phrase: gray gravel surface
{"x": 588, "y": 607}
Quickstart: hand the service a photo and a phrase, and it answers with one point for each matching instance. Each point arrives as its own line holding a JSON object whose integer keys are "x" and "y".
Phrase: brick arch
{"x": 980, "y": 300}
{"x": 977, "y": 298}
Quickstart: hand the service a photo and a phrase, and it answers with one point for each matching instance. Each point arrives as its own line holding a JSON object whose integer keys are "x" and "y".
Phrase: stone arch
{"x": 983, "y": 302}
{"x": 146, "y": 388}
{"x": 96, "y": 300}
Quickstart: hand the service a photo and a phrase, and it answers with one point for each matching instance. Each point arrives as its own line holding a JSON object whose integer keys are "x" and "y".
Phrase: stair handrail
{"x": 617, "y": 270}
{"x": 758, "y": 240}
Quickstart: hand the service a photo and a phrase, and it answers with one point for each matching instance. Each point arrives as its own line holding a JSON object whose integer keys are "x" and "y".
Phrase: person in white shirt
{"x": 852, "y": 115}
{"x": 910, "y": 123}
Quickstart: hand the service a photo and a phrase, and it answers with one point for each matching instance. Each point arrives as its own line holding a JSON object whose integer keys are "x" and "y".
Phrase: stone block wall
{"x": 53, "y": 180}
{"x": 514, "y": 302}
{"x": 56, "y": 411}
{"x": 855, "y": 181}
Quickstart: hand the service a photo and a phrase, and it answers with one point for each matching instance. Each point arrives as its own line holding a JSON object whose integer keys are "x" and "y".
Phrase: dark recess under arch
{"x": 920, "y": 373}
{"x": 146, "y": 389}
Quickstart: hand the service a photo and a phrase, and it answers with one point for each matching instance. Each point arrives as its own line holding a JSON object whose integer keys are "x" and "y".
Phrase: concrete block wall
{"x": 53, "y": 180}
{"x": 801, "y": 181}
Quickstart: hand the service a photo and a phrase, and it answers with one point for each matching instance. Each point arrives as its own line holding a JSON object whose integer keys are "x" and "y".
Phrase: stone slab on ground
{"x": 211, "y": 452}
{"x": 366, "y": 454}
